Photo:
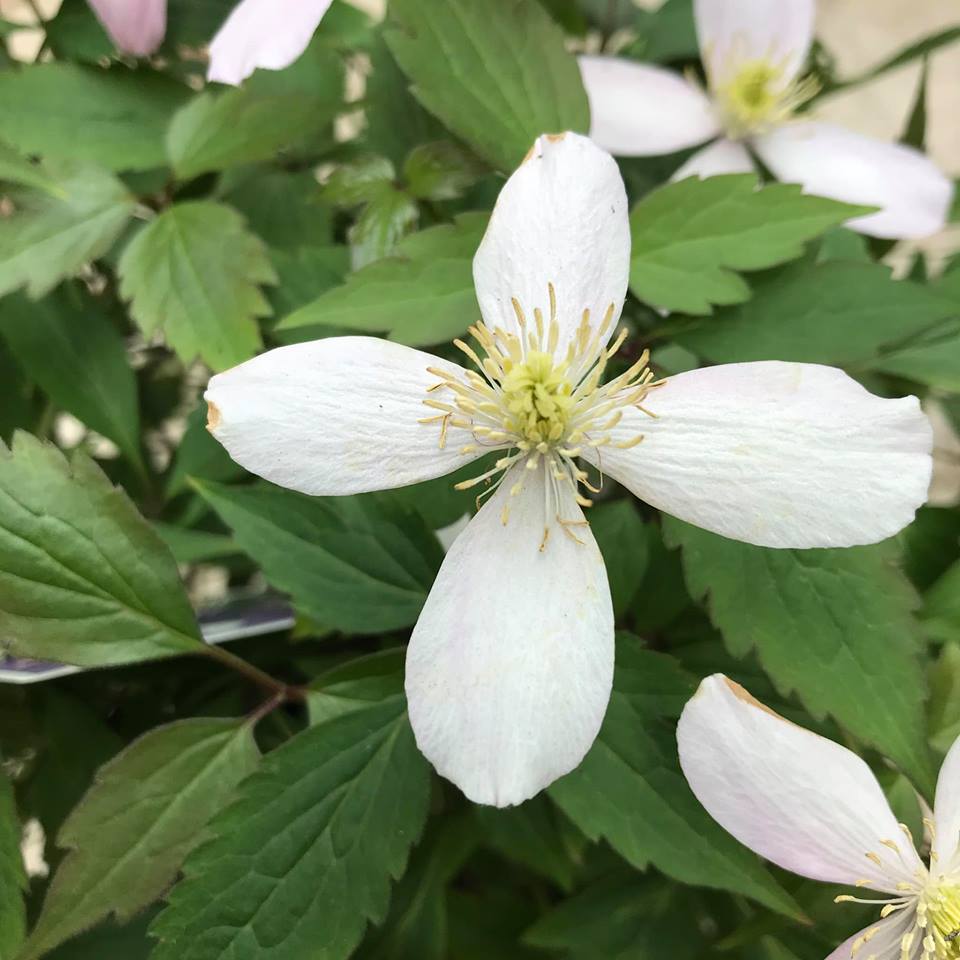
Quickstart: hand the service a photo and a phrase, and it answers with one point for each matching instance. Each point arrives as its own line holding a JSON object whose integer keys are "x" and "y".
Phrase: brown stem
{"x": 256, "y": 675}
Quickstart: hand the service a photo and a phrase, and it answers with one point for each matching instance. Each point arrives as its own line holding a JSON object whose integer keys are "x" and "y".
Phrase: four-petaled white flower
{"x": 509, "y": 667}
{"x": 753, "y": 52}
{"x": 816, "y": 809}
{"x": 258, "y": 34}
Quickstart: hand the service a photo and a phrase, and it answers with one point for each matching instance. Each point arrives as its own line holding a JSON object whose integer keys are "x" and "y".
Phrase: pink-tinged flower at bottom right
{"x": 815, "y": 808}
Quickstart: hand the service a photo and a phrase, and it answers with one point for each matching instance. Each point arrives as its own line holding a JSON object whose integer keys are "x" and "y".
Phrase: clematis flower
{"x": 263, "y": 34}
{"x": 816, "y": 809}
{"x": 509, "y": 667}
{"x": 137, "y": 27}
{"x": 753, "y": 52}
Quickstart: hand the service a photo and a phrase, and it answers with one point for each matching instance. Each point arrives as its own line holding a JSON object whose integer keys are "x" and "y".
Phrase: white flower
{"x": 263, "y": 34}
{"x": 752, "y": 52}
{"x": 509, "y": 667}
{"x": 137, "y": 27}
{"x": 816, "y": 809}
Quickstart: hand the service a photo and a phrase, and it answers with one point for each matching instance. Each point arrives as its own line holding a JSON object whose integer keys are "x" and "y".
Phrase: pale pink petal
{"x": 264, "y": 35}
{"x": 733, "y": 32}
{"x": 830, "y": 161}
{"x": 946, "y": 814}
{"x": 560, "y": 220}
{"x": 137, "y": 27}
{"x": 510, "y": 665}
{"x": 723, "y": 156}
{"x": 881, "y": 940}
{"x": 799, "y": 800}
{"x": 776, "y": 454}
{"x": 334, "y": 416}
{"x": 640, "y": 111}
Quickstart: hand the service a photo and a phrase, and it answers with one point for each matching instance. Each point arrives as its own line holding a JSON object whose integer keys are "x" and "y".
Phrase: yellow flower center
{"x": 540, "y": 406}
{"x": 754, "y": 95}
{"x": 940, "y": 908}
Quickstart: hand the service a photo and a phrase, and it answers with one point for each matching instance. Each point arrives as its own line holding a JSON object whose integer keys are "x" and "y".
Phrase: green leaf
{"x": 50, "y": 238}
{"x": 194, "y": 271}
{"x": 690, "y": 237}
{"x": 496, "y": 73}
{"x": 441, "y": 170}
{"x": 114, "y": 118}
{"x": 195, "y": 546}
{"x": 15, "y": 168}
{"x": 935, "y": 361}
{"x": 304, "y": 858}
{"x": 385, "y": 220}
{"x": 622, "y": 538}
{"x": 837, "y": 312}
{"x": 360, "y": 181}
{"x": 304, "y": 274}
{"x": 834, "y": 626}
{"x": 621, "y": 917}
{"x": 146, "y": 810}
{"x": 534, "y": 836}
{"x": 199, "y": 455}
{"x": 68, "y": 346}
{"x": 424, "y": 295}
{"x": 359, "y": 564}
{"x": 83, "y": 578}
{"x": 356, "y": 684}
{"x": 941, "y": 606}
{"x": 630, "y": 790}
{"x": 224, "y": 130}
{"x": 13, "y": 877}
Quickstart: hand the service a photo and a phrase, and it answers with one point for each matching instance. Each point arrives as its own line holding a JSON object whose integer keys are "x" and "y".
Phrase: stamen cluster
{"x": 543, "y": 410}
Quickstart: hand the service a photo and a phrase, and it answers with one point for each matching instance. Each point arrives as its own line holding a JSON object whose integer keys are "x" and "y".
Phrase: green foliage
{"x": 363, "y": 564}
{"x": 304, "y": 858}
{"x": 83, "y": 578}
{"x": 422, "y": 296}
{"x": 689, "y": 238}
{"x": 144, "y": 813}
{"x": 66, "y": 344}
{"x": 113, "y": 118}
{"x": 630, "y": 791}
{"x": 849, "y": 611}
{"x": 496, "y": 73}
{"x": 194, "y": 271}
{"x": 13, "y": 878}
{"x": 52, "y": 236}
{"x": 835, "y": 312}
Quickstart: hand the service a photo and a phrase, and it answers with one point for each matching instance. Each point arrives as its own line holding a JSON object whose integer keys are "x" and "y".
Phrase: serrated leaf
{"x": 356, "y": 684}
{"x": 690, "y": 238}
{"x": 146, "y": 810}
{"x": 441, "y": 170}
{"x": 496, "y": 73}
{"x": 71, "y": 349}
{"x": 359, "y": 564}
{"x": 424, "y": 295}
{"x": 13, "y": 877}
{"x": 114, "y": 118}
{"x": 49, "y": 238}
{"x": 83, "y": 577}
{"x": 194, "y": 271}
{"x": 837, "y": 312}
{"x": 834, "y": 626}
{"x": 630, "y": 790}
{"x": 385, "y": 220}
{"x": 622, "y": 537}
{"x": 304, "y": 858}
{"x": 934, "y": 362}
{"x": 941, "y": 606}
{"x": 217, "y": 131}
{"x": 16, "y": 168}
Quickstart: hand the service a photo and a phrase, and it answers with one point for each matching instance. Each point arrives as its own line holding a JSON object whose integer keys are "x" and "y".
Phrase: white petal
{"x": 831, "y": 161}
{"x": 884, "y": 941}
{"x": 263, "y": 34}
{"x": 732, "y": 32}
{"x": 510, "y": 665}
{"x": 333, "y": 416}
{"x": 724, "y": 156}
{"x": 946, "y": 814}
{"x": 560, "y": 219}
{"x": 137, "y": 27}
{"x": 641, "y": 111}
{"x": 777, "y": 454}
{"x": 798, "y": 799}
